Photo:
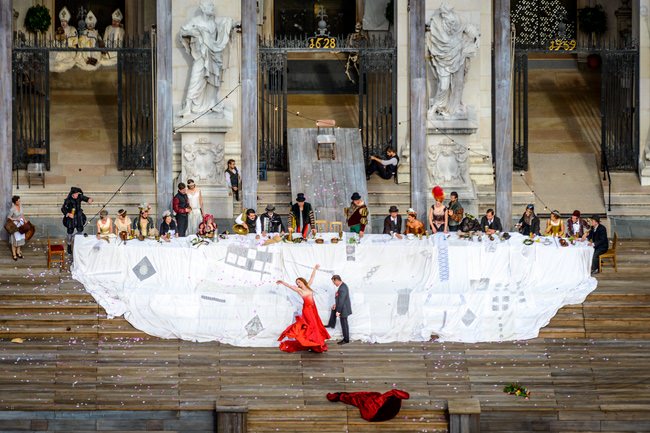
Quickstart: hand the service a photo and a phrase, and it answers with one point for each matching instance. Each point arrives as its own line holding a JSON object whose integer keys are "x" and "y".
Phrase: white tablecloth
{"x": 401, "y": 290}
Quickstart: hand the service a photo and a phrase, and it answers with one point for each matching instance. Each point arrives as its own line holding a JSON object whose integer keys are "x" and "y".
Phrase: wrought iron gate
{"x": 31, "y": 100}
{"x": 135, "y": 107}
{"x": 272, "y": 107}
{"x": 377, "y": 98}
{"x": 376, "y": 63}
{"x": 520, "y": 112}
{"x": 31, "y": 107}
{"x": 619, "y": 102}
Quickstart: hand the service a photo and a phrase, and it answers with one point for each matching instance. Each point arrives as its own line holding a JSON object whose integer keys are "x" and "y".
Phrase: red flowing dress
{"x": 373, "y": 406}
{"x": 307, "y": 332}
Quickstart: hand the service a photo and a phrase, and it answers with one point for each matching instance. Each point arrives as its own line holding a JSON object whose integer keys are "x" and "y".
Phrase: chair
{"x": 55, "y": 250}
{"x": 36, "y": 167}
{"x": 336, "y": 226}
{"x": 321, "y": 226}
{"x": 325, "y": 140}
{"x": 609, "y": 255}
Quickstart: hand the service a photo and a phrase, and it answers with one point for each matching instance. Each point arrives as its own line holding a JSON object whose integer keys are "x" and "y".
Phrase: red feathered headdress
{"x": 438, "y": 193}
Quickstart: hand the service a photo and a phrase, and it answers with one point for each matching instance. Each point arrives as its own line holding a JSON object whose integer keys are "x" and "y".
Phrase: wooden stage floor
{"x": 589, "y": 371}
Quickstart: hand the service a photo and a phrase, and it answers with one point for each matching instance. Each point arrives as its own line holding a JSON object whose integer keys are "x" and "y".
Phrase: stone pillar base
{"x": 203, "y": 159}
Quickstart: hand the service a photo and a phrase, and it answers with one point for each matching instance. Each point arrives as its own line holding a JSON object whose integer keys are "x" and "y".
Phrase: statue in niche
{"x": 113, "y": 38}
{"x": 201, "y": 159}
{"x": 204, "y": 38}
{"x": 448, "y": 164}
{"x": 450, "y": 44}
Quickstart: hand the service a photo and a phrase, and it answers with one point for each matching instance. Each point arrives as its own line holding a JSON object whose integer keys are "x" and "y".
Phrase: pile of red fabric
{"x": 373, "y": 405}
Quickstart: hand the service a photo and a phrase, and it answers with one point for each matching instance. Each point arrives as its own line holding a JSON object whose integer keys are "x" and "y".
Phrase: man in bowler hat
{"x": 341, "y": 309}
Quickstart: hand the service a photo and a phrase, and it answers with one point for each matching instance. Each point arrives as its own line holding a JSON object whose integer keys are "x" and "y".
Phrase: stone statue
{"x": 450, "y": 44}
{"x": 66, "y": 36}
{"x": 113, "y": 38}
{"x": 89, "y": 38}
{"x": 204, "y": 38}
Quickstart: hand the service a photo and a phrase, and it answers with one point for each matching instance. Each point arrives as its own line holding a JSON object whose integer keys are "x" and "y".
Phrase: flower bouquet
{"x": 517, "y": 389}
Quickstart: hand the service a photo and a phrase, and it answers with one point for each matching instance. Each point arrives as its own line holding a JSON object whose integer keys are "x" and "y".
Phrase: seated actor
{"x": 250, "y": 220}
{"x": 385, "y": 168}
{"x": 393, "y": 222}
{"x": 413, "y": 225}
{"x": 576, "y": 226}
{"x": 168, "y": 225}
{"x": 491, "y": 223}
{"x": 271, "y": 222}
{"x": 598, "y": 238}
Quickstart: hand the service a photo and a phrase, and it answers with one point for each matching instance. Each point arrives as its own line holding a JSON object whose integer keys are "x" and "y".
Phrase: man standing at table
{"x": 598, "y": 238}
{"x": 341, "y": 309}
{"x": 181, "y": 205}
{"x": 455, "y": 212}
{"x": 357, "y": 215}
{"x": 393, "y": 222}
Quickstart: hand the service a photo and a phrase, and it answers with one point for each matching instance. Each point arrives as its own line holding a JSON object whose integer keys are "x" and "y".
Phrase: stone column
{"x": 418, "y": 107}
{"x": 164, "y": 138}
{"x": 502, "y": 112}
{"x": 6, "y": 16}
{"x": 249, "y": 103}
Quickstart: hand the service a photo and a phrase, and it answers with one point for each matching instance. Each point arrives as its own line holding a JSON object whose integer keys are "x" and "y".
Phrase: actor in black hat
{"x": 73, "y": 216}
{"x": 357, "y": 215}
{"x": 270, "y": 221}
{"x": 301, "y": 217}
{"x": 393, "y": 222}
{"x": 598, "y": 238}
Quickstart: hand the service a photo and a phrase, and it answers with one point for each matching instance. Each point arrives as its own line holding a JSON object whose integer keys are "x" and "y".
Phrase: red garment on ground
{"x": 373, "y": 405}
{"x": 307, "y": 332}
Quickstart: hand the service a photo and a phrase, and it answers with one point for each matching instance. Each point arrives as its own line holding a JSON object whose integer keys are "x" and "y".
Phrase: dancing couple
{"x": 308, "y": 332}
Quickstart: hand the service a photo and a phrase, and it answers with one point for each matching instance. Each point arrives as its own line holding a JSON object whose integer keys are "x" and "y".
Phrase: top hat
{"x": 270, "y": 208}
{"x": 300, "y": 197}
{"x": 355, "y": 196}
{"x": 393, "y": 209}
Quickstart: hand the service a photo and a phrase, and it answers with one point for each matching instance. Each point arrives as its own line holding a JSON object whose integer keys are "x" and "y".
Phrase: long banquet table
{"x": 401, "y": 290}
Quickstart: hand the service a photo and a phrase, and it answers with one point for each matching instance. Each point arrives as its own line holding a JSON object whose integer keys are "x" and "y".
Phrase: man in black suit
{"x": 393, "y": 222}
{"x": 341, "y": 309}
{"x": 598, "y": 238}
{"x": 491, "y": 223}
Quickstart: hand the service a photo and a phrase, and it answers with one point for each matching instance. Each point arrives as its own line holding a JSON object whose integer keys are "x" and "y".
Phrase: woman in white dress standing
{"x": 196, "y": 203}
{"x": 18, "y": 217}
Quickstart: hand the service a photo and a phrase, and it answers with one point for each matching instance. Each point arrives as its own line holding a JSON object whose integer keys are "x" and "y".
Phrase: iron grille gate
{"x": 31, "y": 101}
{"x": 135, "y": 107}
{"x": 272, "y": 82}
{"x": 377, "y": 66}
{"x": 377, "y": 97}
{"x": 619, "y": 100}
{"x": 31, "y": 108}
{"x": 520, "y": 112}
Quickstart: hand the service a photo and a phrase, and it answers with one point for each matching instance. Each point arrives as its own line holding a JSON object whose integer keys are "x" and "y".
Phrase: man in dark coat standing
{"x": 182, "y": 208}
{"x": 393, "y": 222}
{"x": 341, "y": 309}
{"x": 598, "y": 238}
{"x": 73, "y": 216}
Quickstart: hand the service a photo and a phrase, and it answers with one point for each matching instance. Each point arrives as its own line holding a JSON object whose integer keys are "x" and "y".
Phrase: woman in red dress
{"x": 307, "y": 332}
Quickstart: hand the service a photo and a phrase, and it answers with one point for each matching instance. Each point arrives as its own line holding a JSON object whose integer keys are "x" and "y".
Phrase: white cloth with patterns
{"x": 494, "y": 291}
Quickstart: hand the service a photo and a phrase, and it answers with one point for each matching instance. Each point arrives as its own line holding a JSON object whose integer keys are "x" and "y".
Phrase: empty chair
{"x": 54, "y": 250}
{"x": 609, "y": 255}
{"x": 321, "y": 226}
{"x": 325, "y": 139}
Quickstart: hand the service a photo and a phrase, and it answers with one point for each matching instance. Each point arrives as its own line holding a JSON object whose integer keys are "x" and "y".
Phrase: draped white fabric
{"x": 401, "y": 290}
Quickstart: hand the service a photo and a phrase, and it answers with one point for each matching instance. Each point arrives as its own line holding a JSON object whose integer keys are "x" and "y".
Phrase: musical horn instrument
{"x": 240, "y": 229}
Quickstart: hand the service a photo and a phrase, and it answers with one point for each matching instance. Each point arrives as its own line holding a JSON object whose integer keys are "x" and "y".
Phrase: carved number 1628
{"x": 322, "y": 42}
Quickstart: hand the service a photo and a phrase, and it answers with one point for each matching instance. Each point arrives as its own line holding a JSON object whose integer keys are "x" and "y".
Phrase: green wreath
{"x": 38, "y": 19}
